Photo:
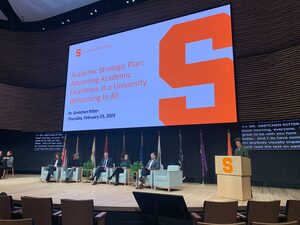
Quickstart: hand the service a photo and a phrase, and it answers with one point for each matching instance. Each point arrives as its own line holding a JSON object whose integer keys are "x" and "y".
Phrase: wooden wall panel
{"x": 266, "y": 39}
{"x": 31, "y": 109}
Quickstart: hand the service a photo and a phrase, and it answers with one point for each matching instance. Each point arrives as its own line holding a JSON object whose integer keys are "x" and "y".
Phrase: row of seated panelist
{"x": 169, "y": 179}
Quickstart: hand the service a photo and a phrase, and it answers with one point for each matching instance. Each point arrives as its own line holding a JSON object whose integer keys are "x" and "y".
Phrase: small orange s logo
{"x": 78, "y": 52}
{"x": 227, "y": 165}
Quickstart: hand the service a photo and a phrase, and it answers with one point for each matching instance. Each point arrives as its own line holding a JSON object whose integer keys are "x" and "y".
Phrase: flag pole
{"x": 93, "y": 157}
{"x": 142, "y": 149}
{"x": 180, "y": 156}
{"x": 229, "y": 147}
{"x": 204, "y": 168}
{"x": 77, "y": 146}
{"x": 124, "y": 144}
{"x": 159, "y": 150}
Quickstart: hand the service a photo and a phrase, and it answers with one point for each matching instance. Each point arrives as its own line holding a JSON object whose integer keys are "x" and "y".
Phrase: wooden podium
{"x": 233, "y": 177}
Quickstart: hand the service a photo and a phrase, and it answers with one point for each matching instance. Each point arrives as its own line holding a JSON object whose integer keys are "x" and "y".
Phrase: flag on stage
{"x": 180, "y": 156}
{"x": 93, "y": 155}
{"x": 204, "y": 168}
{"x": 64, "y": 153}
{"x": 142, "y": 149}
{"x": 77, "y": 146}
{"x": 229, "y": 148}
{"x": 159, "y": 150}
{"x": 124, "y": 143}
{"x": 106, "y": 143}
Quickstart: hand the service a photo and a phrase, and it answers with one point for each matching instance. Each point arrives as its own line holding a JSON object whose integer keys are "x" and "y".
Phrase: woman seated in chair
{"x": 125, "y": 162}
{"x": 7, "y": 163}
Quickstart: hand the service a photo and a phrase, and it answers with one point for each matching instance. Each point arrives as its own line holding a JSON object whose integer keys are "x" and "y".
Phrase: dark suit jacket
{"x": 74, "y": 163}
{"x": 155, "y": 165}
{"x": 59, "y": 163}
{"x": 109, "y": 163}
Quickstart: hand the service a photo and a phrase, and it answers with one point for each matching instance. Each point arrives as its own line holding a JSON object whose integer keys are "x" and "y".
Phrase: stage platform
{"x": 119, "y": 198}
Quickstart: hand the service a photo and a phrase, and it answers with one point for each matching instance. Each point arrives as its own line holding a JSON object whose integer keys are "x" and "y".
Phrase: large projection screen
{"x": 176, "y": 72}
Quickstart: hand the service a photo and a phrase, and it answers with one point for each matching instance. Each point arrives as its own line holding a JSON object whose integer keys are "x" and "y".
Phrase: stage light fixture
{"x": 92, "y": 13}
{"x": 95, "y": 10}
{"x": 68, "y": 20}
{"x": 62, "y": 22}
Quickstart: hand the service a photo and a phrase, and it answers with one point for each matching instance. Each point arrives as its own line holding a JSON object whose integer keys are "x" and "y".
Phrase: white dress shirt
{"x": 150, "y": 164}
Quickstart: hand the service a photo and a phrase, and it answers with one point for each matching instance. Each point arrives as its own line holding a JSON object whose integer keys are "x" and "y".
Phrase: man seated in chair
{"x": 153, "y": 164}
{"x": 124, "y": 163}
{"x": 72, "y": 165}
{"x": 105, "y": 162}
{"x": 7, "y": 163}
{"x": 52, "y": 167}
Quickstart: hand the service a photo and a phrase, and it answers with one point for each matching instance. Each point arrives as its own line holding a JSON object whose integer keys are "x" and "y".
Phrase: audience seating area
{"x": 40, "y": 211}
{"x": 17, "y": 222}
{"x": 257, "y": 212}
{"x": 78, "y": 212}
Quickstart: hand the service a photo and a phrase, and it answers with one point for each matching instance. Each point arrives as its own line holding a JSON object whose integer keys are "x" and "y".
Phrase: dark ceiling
{"x": 41, "y": 15}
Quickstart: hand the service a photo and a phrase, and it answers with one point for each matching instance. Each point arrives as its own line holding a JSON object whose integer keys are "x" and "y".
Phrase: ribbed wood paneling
{"x": 266, "y": 39}
{"x": 31, "y": 109}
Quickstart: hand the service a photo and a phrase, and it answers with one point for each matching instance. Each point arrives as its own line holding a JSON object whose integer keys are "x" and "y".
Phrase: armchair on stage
{"x": 56, "y": 174}
{"x": 233, "y": 177}
{"x": 104, "y": 175}
{"x": 148, "y": 179}
{"x": 77, "y": 174}
{"x": 168, "y": 179}
{"x": 123, "y": 177}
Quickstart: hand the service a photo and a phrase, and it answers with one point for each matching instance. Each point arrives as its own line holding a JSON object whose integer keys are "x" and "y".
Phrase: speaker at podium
{"x": 233, "y": 177}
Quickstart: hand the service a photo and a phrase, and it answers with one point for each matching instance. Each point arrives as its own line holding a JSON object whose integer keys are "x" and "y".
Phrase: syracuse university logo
{"x": 177, "y": 73}
{"x": 78, "y": 52}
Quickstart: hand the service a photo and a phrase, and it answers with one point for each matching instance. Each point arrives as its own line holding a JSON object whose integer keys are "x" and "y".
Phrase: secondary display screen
{"x": 176, "y": 72}
{"x": 272, "y": 135}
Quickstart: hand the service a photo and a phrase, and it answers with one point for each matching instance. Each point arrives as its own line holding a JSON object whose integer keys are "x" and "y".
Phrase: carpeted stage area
{"x": 119, "y": 198}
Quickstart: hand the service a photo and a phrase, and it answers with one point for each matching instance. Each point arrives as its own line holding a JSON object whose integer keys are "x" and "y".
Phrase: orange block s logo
{"x": 78, "y": 52}
{"x": 227, "y": 165}
{"x": 177, "y": 74}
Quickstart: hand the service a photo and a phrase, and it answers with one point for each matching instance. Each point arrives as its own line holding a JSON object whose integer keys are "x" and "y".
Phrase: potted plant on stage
{"x": 87, "y": 169}
{"x": 134, "y": 170}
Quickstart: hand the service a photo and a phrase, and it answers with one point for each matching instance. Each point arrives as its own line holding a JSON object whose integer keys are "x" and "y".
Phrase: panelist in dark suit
{"x": 106, "y": 162}
{"x": 153, "y": 164}
{"x": 120, "y": 169}
{"x": 240, "y": 150}
{"x": 52, "y": 167}
{"x": 72, "y": 165}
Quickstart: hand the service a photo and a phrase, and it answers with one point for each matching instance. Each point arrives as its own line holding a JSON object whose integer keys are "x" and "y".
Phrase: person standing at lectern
{"x": 104, "y": 164}
{"x": 240, "y": 150}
